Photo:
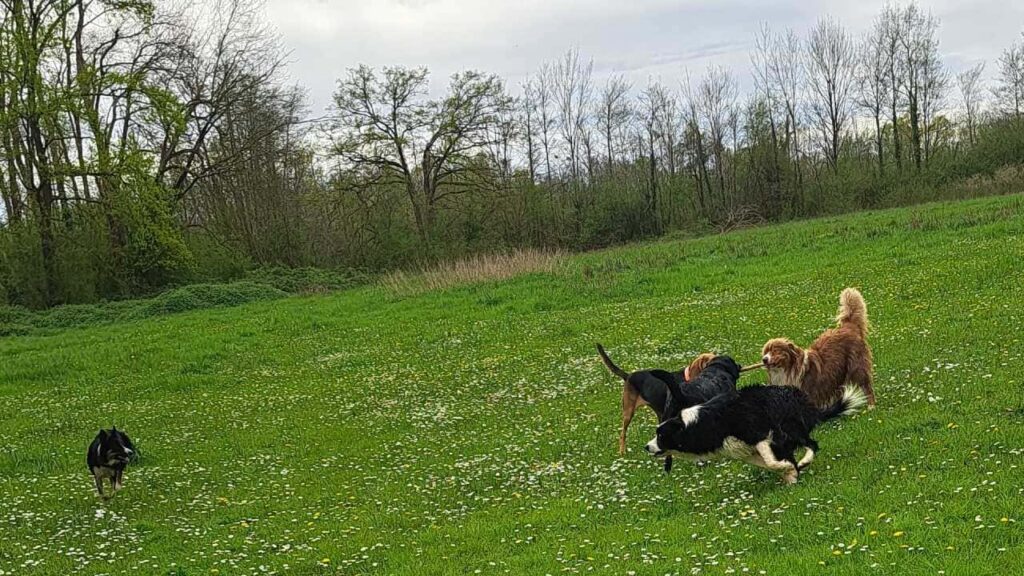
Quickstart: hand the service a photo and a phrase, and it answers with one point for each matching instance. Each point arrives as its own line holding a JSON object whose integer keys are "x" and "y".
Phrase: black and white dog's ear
{"x": 103, "y": 435}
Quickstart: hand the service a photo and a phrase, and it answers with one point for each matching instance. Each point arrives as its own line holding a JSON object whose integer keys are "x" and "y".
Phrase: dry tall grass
{"x": 471, "y": 271}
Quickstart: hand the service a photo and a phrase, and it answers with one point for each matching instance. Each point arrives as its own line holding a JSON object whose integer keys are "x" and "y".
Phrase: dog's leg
{"x": 862, "y": 377}
{"x": 99, "y": 485}
{"x": 629, "y": 402}
{"x": 812, "y": 449}
{"x": 118, "y": 480}
{"x": 807, "y": 459}
{"x": 787, "y": 470}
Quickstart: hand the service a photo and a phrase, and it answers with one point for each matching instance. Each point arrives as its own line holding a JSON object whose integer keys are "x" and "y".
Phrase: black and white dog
{"x": 109, "y": 454}
{"x": 761, "y": 425}
{"x": 717, "y": 378}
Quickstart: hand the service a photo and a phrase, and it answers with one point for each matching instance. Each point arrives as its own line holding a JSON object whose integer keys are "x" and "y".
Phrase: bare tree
{"x": 934, "y": 88}
{"x": 764, "y": 66}
{"x": 613, "y": 114}
{"x": 388, "y": 131}
{"x": 872, "y": 95}
{"x": 971, "y": 87}
{"x": 923, "y": 80}
{"x": 1010, "y": 89}
{"x": 232, "y": 54}
{"x": 573, "y": 89}
{"x": 657, "y": 114}
{"x": 888, "y": 29}
{"x": 830, "y": 78}
{"x": 504, "y": 130}
{"x": 529, "y": 110}
{"x": 545, "y": 114}
{"x": 716, "y": 104}
{"x": 694, "y": 141}
{"x": 779, "y": 73}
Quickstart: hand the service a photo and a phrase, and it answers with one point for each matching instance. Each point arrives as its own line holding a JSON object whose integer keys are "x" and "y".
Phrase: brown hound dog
{"x": 648, "y": 387}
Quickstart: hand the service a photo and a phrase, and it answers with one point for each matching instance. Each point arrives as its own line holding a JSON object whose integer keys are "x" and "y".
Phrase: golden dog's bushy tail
{"x": 853, "y": 311}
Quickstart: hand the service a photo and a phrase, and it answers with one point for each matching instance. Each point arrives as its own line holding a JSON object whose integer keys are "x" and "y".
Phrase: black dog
{"x": 110, "y": 452}
{"x": 761, "y": 425}
{"x": 718, "y": 377}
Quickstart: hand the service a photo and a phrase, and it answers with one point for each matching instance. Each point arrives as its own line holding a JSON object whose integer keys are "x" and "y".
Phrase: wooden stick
{"x": 751, "y": 367}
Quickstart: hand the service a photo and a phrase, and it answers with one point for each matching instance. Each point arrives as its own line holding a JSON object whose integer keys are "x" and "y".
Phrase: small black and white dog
{"x": 110, "y": 452}
{"x": 761, "y": 425}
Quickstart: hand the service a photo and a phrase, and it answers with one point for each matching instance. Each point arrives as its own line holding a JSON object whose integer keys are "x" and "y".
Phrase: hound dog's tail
{"x": 852, "y": 401}
{"x": 853, "y": 311}
{"x": 611, "y": 365}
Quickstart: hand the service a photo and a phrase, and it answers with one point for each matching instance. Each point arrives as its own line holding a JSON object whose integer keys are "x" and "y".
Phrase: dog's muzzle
{"x": 653, "y": 449}
{"x": 766, "y": 359}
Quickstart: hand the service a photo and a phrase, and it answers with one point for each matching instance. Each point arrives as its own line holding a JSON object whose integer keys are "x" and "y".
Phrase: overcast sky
{"x": 640, "y": 39}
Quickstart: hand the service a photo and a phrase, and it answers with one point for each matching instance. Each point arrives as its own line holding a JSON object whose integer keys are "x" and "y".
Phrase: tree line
{"x": 145, "y": 143}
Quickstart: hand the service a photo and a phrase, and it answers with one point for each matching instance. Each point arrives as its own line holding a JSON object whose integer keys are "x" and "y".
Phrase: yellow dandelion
{"x": 837, "y": 552}
{"x": 1004, "y": 519}
{"x": 897, "y": 534}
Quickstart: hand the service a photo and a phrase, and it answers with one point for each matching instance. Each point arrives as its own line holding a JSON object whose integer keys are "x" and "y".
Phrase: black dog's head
{"x": 718, "y": 377}
{"x": 111, "y": 448}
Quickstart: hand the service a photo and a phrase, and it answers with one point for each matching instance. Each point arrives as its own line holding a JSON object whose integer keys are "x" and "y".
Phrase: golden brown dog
{"x": 838, "y": 356}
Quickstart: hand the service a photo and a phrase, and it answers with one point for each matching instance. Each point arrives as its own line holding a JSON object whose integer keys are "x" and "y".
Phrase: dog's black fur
{"x": 719, "y": 377}
{"x": 735, "y": 422}
{"x": 110, "y": 452}
{"x": 651, "y": 384}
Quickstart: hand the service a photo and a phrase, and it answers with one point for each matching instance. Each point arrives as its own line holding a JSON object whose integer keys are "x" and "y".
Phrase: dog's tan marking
{"x": 807, "y": 459}
{"x": 764, "y": 449}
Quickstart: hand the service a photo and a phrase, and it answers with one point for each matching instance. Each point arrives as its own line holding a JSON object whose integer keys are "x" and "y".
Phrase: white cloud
{"x": 651, "y": 38}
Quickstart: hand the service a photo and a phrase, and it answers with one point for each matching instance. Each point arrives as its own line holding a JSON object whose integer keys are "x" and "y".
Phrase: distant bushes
{"x": 201, "y": 296}
{"x": 257, "y": 285}
{"x": 19, "y": 321}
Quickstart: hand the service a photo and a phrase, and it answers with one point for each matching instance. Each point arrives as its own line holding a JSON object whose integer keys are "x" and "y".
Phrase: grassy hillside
{"x": 474, "y": 431}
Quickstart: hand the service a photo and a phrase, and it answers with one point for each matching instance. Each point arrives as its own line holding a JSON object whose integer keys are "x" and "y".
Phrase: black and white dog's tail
{"x": 611, "y": 365}
{"x": 852, "y": 401}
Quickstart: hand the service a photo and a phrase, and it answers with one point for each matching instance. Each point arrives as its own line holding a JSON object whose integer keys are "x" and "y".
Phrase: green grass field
{"x": 474, "y": 430}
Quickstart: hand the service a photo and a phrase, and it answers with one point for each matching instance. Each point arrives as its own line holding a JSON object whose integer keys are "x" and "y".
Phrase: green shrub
{"x": 19, "y": 321}
{"x": 202, "y": 296}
